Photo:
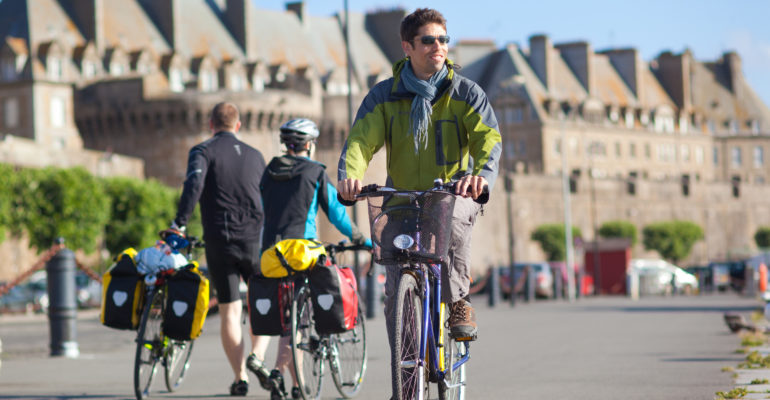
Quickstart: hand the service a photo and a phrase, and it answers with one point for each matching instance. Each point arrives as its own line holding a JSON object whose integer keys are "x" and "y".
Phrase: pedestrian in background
{"x": 223, "y": 174}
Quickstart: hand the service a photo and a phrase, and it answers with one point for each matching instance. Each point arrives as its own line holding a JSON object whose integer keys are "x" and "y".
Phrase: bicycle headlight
{"x": 403, "y": 241}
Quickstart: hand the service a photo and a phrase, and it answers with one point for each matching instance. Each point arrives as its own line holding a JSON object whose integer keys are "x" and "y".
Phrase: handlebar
{"x": 448, "y": 187}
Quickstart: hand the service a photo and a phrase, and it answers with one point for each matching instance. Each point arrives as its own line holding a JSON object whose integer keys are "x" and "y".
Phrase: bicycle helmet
{"x": 298, "y": 131}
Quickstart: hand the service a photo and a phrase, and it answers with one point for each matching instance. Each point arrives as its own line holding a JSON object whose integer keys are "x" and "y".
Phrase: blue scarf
{"x": 425, "y": 92}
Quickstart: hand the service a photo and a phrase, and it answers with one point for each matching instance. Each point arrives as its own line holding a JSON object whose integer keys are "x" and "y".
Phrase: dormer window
{"x": 208, "y": 81}
{"x": 89, "y": 69}
{"x": 754, "y": 126}
{"x": 629, "y": 117}
{"x": 116, "y": 69}
{"x": 54, "y": 68}
{"x": 175, "y": 81}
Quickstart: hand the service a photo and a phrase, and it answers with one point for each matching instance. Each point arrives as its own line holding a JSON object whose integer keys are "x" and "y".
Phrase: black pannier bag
{"x": 335, "y": 299}
{"x": 122, "y": 293}
{"x": 187, "y": 303}
{"x": 264, "y": 307}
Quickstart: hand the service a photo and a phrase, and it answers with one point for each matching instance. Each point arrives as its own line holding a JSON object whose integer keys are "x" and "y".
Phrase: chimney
{"x": 300, "y": 9}
{"x": 384, "y": 26}
{"x": 237, "y": 16}
{"x": 734, "y": 69}
{"x": 674, "y": 74}
{"x": 626, "y": 63}
{"x": 541, "y": 59}
{"x": 167, "y": 17}
{"x": 579, "y": 58}
{"x": 88, "y": 15}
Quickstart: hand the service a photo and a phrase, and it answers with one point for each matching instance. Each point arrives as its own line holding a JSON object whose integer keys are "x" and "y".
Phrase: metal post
{"x": 62, "y": 310}
{"x": 557, "y": 284}
{"x": 596, "y": 262}
{"x": 750, "y": 287}
{"x": 530, "y": 271}
{"x": 567, "y": 212}
{"x": 512, "y": 280}
{"x": 493, "y": 286}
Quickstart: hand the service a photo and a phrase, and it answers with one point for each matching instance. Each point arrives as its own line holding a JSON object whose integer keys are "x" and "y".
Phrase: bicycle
{"x": 345, "y": 352}
{"x": 152, "y": 345}
{"x": 410, "y": 228}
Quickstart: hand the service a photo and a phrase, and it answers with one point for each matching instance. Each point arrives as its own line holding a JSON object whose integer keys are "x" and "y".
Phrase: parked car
{"x": 543, "y": 278}
{"x": 661, "y": 277}
{"x": 89, "y": 291}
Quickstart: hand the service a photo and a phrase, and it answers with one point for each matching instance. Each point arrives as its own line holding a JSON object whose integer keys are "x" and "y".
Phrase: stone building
{"x": 126, "y": 87}
{"x": 631, "y": 131}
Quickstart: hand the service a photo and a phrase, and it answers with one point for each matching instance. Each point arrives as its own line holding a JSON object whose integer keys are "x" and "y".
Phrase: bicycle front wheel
{"x": 349, "y": 357}
{"x": 149, "y": 345}
{"x": 408, "y": 370}
{"x": 177, "y": 360}
{"x": 307, "y": 349}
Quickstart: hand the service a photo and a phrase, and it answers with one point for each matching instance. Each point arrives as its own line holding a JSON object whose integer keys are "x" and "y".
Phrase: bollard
{"x": 557, "y": 284}
{"x": 750, "y": 287}
{"x": 702, "y": 283}
{"x": 530, "y": 291}
{"x": 371, "y": 291}
{"x": 512, "y": 280}
{"x": 62, "y": 309}
{"x": 493, "y": 286}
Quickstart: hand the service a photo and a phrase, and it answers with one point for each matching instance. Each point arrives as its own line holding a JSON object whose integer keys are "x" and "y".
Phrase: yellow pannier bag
{"x": 122, "y": 293}
{"x": 187, "y": 303}
{"x": 291, "y": 255}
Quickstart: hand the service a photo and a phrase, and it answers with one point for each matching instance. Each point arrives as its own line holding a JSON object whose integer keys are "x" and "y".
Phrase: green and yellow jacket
{"x": 463, "y": 137}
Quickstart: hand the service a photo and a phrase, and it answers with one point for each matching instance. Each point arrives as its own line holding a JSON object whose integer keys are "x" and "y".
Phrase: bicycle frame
{"x": 432, "y": 330}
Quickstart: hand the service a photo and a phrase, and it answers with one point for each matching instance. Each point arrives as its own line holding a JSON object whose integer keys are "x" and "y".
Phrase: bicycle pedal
{"x": 466, "y": 338}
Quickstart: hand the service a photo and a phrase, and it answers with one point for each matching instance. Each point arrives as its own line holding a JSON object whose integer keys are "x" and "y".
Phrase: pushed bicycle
{"x": 345, "y": 351}
{"x": 153, "y": 346}
{"x": 410, "y": 228}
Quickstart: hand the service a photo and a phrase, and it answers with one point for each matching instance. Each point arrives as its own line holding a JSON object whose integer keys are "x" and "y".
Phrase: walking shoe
{"x": 295, "y": 393}
{"x": 462, "y": 321}
{"x": 277, "y": 390}
{"x": 239, "y": 388}
{"x": 258, "y": 368}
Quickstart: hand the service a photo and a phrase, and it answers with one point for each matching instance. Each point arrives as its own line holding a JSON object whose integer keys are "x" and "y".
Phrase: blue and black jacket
{"x": 293, "y": 189}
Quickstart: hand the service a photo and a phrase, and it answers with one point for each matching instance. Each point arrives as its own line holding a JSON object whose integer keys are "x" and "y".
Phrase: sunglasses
{"x": 430, "y": 39}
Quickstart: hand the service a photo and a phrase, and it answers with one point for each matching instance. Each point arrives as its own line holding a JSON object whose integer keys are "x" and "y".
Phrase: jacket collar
{"x": 398, "y": 89}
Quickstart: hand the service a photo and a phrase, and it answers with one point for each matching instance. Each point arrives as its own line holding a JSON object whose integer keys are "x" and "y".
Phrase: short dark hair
{"x": 224, "y": 116}
{"x": 414, "y": 21}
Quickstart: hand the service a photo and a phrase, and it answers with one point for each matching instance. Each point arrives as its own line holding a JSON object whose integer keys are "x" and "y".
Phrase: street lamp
{"x": 570, "y": 267}
{"x": 593, "y": 149}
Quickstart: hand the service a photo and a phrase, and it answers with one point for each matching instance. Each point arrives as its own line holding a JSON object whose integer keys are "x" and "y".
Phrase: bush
{"x": 762, "y": 237}
{"x": 619, "y": 229}
{"x": 673, "y": 240}
{"x": 552, "y": 239}
{"x": 67, "y": 203}
{"x": 138, "y": 211}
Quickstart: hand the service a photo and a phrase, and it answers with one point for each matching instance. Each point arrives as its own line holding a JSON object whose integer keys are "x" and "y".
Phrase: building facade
{"x": 125, "y": 87}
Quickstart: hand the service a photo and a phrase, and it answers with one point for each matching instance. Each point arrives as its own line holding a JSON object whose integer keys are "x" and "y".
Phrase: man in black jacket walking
{"x": 224, "y": 173}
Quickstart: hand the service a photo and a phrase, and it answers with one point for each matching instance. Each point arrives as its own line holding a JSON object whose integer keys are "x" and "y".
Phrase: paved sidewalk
{"x": 593, "y": 349}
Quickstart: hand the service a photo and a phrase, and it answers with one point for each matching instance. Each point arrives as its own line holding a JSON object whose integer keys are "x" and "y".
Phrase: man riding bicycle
{"x": 433, "y": 123}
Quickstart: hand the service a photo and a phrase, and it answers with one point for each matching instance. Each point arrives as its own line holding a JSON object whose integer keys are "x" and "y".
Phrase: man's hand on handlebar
{"x": 470, "y": 186}
{"x": 349, "y": 188}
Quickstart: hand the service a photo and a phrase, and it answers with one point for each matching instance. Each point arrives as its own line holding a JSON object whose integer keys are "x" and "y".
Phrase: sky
{"x": 707, "y": 27}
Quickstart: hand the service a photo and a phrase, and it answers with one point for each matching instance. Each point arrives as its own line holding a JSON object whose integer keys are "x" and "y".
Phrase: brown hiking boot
{"x": 462, "y": 321}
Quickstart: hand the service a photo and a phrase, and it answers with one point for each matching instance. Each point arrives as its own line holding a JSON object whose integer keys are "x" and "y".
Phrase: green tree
{"x": 673, "y": 240}
{"x": 552, "y": 239}
{"x": 8, "y": 178}
{"x": 762, "y": 237}
{"x": 138, "y": 211}
{"x": 619, "y": 229}
{"x": 68, "y": 203}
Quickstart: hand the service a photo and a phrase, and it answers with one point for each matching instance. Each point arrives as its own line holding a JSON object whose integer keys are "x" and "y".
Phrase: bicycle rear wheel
{"x": 453, "y": 385}
{"x": 149, "y": 344}
{"x": 349, "y": 357}
{"x": 306, "y": 348}
{"x": 408, "y": 370}
{"x": 177, "y": 360}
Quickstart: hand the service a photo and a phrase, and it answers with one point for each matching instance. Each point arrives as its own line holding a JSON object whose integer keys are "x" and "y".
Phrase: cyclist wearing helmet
{"x": 293, "y": 188}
